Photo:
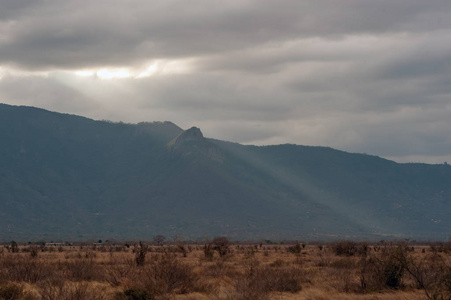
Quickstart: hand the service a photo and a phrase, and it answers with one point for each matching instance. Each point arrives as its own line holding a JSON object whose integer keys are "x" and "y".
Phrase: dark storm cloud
{"x": 360, "y": 75}
{"x": 74, "y": 34}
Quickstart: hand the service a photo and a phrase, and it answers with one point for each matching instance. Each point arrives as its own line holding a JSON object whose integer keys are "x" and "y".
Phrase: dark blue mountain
{"x": 68, "y": 177}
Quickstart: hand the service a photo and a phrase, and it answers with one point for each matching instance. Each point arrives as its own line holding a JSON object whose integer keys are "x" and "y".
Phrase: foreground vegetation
{"x": 219, "y": 270}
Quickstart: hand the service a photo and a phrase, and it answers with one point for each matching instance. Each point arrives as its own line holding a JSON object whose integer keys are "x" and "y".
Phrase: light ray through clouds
{"x": 360, "y": 216}
{"x": 158, "y": 67}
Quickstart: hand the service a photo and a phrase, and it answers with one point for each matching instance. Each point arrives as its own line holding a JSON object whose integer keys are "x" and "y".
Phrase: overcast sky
{"x": 357, "y": 75}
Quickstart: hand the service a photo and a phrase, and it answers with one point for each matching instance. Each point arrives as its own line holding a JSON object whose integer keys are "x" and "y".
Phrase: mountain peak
{"x": 188, "y": 136}
{"x": 193, "y": 133}
{"x": 192, "y": 142}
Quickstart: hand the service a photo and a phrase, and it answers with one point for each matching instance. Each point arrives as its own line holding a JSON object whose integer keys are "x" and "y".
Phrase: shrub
{"x": 182, "y": 249}
{"x": 221, "y": 244}
{"x": 140, "y": 255}
{"x": 384, "y": 270}
{"x": 80, "y": 270}
{"x": 343, "y": 263}
{"x": 347, "y": 248}
{"x": 278, "y": 263}
{"x": 168, "y": 275}
{"x": 34, "y": 250}
{"x": 159, "y": 239}
{"x": 134, "y": 294}
{"x": 208, "y": 251}
{"x": 14, "y": 247}
{"x": 24, "y": 268}
{"x": 296, "y": 249}
{"x": 117, "y": 270}
{"x": 67, "y": 290}
{"x": 257, "y": 282}
{"x": 11, "y": 291}
{"x": 432, "y": 274}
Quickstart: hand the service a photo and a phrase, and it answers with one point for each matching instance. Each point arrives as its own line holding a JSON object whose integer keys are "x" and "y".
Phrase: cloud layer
{"x": 362, "y": 76}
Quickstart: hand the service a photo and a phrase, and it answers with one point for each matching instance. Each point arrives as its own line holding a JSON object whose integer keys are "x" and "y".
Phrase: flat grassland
{"x": 219, "y": 270}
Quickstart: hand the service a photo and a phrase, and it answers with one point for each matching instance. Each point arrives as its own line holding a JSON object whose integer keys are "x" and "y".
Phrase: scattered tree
{"x": 159, "y": 239}
{"x": 221, "y": 244}
{"x": 14, "y": 247}
{"x": 140, "y": 255}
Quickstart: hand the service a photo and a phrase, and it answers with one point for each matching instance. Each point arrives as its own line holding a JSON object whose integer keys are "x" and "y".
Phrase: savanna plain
{"x": 219, "y": 269}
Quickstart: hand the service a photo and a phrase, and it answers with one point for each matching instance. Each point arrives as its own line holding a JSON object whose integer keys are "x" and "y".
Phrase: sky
{"x": 362, "y": 76}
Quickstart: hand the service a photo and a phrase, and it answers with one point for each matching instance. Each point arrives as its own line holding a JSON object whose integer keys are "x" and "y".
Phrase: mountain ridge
{"x": 65, "y": 176}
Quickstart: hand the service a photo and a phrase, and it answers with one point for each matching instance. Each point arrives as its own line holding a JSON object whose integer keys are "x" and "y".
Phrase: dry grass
{"x": 336, "y": 271}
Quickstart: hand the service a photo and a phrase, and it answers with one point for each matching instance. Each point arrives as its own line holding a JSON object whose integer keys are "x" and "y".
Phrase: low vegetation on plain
{"x": 219, "y": 269}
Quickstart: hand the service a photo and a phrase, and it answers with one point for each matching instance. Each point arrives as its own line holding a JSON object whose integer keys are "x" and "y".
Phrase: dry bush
{"x": 23, "y": 269}
{"x": 182, "y": 249}
{"x": 219, "y": 269}
{"x": 248, "y": 274}
{"x": 286, "y": 279}
{"x": 170, "y": 275}
{"x": 384, "y": 270}
{"x": 134, "y": 294}
{"x": 118, "y": 269}
{"x": 431, "y": 273}
{"x": 14, "y": 247}
{"x": 258, "y": 282}
{"x": 278, "y": 263}
{"x": 348, "y": 248}
{"x": 222, "y": 245}
{"x": 343, "y": 263}
{"x": 208, "y": 251}
{"x": 84, "y": 269}
{"x": 251, "y": 285}
{"x": 67, "y": 290}
{"x": 441, "y": 247}
{"x": 34, "y": 251}
{"x": 249, "y": 251}
{"x": 140, "y": 254}
{"x": 12, "y": 291}
{"x": 324, "y": 259}
{"x": 296, "y": 249}
{"x": 164, "y": 274}
{"x": 343, "y": 280}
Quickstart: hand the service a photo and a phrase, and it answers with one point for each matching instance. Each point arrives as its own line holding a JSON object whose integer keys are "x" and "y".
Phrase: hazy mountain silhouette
{"x": 69, "y": 177}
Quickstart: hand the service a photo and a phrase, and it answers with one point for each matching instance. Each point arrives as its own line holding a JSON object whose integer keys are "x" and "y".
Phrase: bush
{"x": 221, "y": 244}
{"x": 34, "y": 251}
{"x": 343, "y": 263}
{"x": 21, "y": 268}
{"x": 384, "y": 270}
{"x": 257, "y": 282}
{"x": 347, "y": 248}
{"x": 208, "y": 251}
{"x": 140, "y": 255}
{"x": 134, "y": 294}
{"x": 296, "y": 249}
{"x": 11, "y": 291}
{"x": 167, "y": 274}
{"x": 66, "y": 290}
{"x": 278, "y": 263}
{"x": 432, "y": 273}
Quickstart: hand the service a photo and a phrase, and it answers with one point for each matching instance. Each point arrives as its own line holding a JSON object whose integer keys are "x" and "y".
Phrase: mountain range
{"x": 66, "y": 177}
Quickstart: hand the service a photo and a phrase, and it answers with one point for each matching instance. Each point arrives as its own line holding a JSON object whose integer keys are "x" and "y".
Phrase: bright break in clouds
{"x": 357, "y": 75}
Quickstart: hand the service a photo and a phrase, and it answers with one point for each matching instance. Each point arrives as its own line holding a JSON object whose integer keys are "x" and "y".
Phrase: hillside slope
{"x": 69, "y": 177}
